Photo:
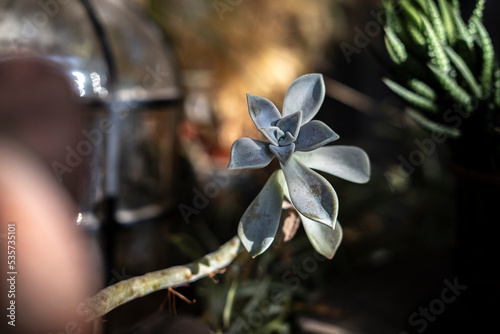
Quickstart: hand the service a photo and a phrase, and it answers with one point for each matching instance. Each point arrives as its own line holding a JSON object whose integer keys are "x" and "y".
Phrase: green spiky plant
{"x": 446, "y": 70}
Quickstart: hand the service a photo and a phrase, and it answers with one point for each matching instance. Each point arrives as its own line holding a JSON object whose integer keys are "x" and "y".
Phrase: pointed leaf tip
{"x": 313, "y": 135}
{"x": 305, "y": 94}
{"x": 310, "y": 193}
{"x": 347, "y": 162}
{"x": 262, "y": 111}
{"x": 260, "y": 222}
{"x": 249, "y": 153}
{"x": 324, "y": 239}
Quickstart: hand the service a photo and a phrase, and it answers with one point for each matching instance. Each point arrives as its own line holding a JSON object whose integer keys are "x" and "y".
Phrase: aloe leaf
{"x": 411, "y": 97}
{"x": 421, "y": 88}
{"x": 392, "y": 18}
{"x": 396, "y": 45}
{"x": 462, "y": 31}
{"x": 392, "y": 53}
{"x": 488, "y": 56}
{"x": 448, "y": 23}
{"x": 464, "y": 71}
{"x": 424, "y": 5}
{"x": 436, "y": 51}
{"x": 416, "y": 35}
{"x": 437, "y": 23}
{"x": 432, "y": 126}
{"x": 412, "y": 13}
{"x": 477, "y": 14}
{"x": 456, "y": 92}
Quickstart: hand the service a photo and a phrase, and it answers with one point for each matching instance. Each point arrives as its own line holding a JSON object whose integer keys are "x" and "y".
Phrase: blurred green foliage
{"x": 441, "y": 63}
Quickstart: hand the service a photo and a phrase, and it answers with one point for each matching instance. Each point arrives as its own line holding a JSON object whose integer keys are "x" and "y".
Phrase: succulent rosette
{"x": 297, "y": 141}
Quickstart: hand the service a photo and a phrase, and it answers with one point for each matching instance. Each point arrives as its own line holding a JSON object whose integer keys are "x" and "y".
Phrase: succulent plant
{"x": 296, "y": 141}
{"x": 443, "y": 64}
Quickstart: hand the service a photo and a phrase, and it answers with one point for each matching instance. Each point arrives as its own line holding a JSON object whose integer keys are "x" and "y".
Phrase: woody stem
{"x": 122, "y": 292}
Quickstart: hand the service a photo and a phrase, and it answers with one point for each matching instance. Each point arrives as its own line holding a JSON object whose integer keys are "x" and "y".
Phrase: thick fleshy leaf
{"x": 286, "y": 140}
{"x": 313, "y": 135}
{"x": 347, "y": 162}
{"x": 324, "y": 239}
{"x": 263, "y": 112}
{"x": 272, "y": 134}
{"x": 249, "y": 153}
{"x": 260, "y": 222}
{"x": 283, "y": 153}
{"x": 310, "y": 193}
{"x": 306, "y": 94}
{"x": 291, "y": 123}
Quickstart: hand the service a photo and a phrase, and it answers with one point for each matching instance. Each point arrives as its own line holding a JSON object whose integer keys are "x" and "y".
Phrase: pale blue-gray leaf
{"x": 313, "y": 135}
{"x": 283, "y": 153}
{"x": 281, "y": 179}
{"x": 291, "y": 123}
{"x": 310, "y": 193}
{"x": 347, "y": 162}
{"x": 324, "y": 239}
{"x": 260, "y": 222}
{"x": 263, "y": 112}
{"x": 305, "y": 94}
{"x": 272, "y": 134}
{"x": 286, "y": 140}
{"x": 249, "y": 153}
